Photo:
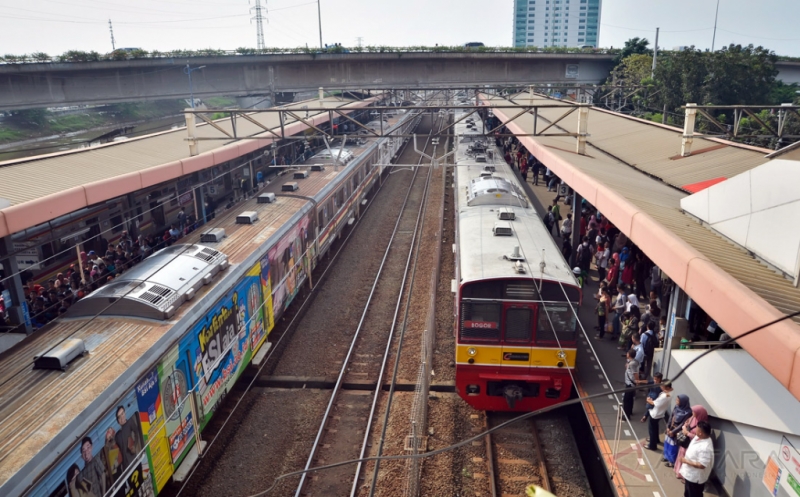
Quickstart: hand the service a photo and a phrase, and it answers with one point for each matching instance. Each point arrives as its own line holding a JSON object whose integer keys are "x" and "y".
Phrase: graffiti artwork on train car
{"x": 208, "y": 360}
{"x": 173, "y": 389}
{"x": 259, "y": 336}
{"x": 108, "y": 457}
{"x": 218, "y": 347}
{"x": 288, "y": 262}
{"x": 151, "y": 415}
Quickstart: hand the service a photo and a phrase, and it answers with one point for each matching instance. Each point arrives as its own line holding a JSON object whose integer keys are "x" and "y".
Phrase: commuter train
{"x": 515, "y": 326}
{"x": 123, "y": 385}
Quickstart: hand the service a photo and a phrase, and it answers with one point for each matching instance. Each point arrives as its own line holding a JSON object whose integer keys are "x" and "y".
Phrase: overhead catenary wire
{"x": 522, "y": 416}
{"x": 223, "y": 354}
{"x": 297, "y": 315}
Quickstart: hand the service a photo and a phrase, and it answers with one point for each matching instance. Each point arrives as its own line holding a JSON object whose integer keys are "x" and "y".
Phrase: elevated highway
{"x": 53, "y": 84}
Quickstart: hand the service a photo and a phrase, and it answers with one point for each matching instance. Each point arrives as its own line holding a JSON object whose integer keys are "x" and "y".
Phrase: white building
{"x": 556, "y": 23}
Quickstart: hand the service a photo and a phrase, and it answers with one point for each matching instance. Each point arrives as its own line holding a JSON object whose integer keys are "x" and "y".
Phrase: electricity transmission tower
{"x": 111, "y": 28}
{"x": 259, "y": 18}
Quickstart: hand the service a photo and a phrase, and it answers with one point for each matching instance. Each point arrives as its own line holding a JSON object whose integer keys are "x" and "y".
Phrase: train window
{"x": 552, "y": 291}
{"x": 480, "y": 320}
{"x": 116, "y": 224}
{"x": 518, "y": 324}
{"x": 563, "y": 320}
{"x": 483, "y": 290}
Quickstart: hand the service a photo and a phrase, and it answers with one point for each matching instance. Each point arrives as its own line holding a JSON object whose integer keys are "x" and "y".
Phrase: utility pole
{"x": 319, "y": 17}
{"x": 188, "y": 71}
{"x": 714, "y": 37}
{"x": 259, "y": 18}
{"x": 655, "y": 55}
{"x": 111, "y": 28}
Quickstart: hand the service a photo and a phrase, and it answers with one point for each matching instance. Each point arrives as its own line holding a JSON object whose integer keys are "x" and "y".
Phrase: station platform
{"x": 634, "y": 470}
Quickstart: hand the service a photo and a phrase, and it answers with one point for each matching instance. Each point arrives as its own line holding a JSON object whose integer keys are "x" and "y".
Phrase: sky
{"x": 55, "y": 26}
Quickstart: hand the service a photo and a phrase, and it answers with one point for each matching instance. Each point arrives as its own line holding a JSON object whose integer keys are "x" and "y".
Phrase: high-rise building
{"x": 556, "y": 23}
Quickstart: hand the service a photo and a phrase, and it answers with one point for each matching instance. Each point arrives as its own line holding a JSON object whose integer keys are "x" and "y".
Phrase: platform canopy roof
{"x": 38, "y": 189}
{"x": 633, "y": 172}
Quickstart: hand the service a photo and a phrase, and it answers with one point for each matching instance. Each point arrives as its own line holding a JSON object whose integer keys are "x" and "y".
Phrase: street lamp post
{"x": 188, "y": 71}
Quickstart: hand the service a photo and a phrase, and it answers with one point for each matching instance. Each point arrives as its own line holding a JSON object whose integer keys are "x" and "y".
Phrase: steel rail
{"x": 290, "y": 327}
{"x": 537, "y": 443}
{"x": 490, "y": 456}
{"x": 417, "y": 230}
{"x": 343, "y": 370}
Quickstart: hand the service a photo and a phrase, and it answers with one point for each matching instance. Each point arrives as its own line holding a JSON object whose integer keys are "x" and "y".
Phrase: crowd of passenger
{"x": 631, "y": 300}
{"x": 49, "y": 300}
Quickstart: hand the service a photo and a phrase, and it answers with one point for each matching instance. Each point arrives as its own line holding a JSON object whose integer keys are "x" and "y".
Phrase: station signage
{"x": 783, "y": 470}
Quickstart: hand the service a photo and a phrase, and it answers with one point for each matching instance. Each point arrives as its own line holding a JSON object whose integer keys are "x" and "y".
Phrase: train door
{"x": 517, "y": 337}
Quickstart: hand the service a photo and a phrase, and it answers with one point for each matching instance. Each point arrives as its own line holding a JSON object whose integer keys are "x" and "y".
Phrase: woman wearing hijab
{"x": 630, "y": 325}
{"x": 633, "y": 306}
{"x": 680, "y": 414}
{"x": 699, "y": 413}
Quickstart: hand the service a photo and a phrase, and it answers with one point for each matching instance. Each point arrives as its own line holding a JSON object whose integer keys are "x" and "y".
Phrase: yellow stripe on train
{"x": 503, "y": 355}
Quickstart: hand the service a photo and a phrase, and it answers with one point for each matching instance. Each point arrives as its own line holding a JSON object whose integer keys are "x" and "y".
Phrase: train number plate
{"x": 516, "y": 356}
{"x": 480, "y": 324}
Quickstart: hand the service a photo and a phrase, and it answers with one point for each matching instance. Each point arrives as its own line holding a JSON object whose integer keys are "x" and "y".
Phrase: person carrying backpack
{"x": 584, "y": 256}
{"x": 548, "y": 219}
{"x": 649, "y": 343}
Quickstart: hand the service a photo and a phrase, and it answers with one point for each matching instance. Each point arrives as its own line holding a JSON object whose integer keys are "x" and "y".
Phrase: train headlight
{"x": 561, "y": 354}
{"x": 471, "y": 351}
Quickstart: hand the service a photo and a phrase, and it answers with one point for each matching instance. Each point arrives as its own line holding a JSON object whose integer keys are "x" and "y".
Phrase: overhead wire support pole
{"x": 319, "y": 17}
{"x": 655, "y": 55}
{"x": 714, "y": 37}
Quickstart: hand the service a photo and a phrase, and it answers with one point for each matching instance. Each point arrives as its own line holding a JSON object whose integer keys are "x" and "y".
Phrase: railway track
{"x": 349, "y": 413}
{"x": 515, "y": 456}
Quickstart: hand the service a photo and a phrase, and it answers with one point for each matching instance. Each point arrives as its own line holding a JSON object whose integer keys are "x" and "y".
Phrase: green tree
{"x": 633, "y": 46}
{"x": 740, "y": 75}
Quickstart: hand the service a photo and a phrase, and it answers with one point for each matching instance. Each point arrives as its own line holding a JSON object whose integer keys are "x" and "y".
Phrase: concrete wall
{"x": 789, "y": 72}
{"x": 41, "y": 85}
{"x": 750, "y": 413}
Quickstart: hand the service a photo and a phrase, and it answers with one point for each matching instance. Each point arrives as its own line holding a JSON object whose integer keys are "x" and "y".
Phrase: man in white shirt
{"x": 657, "y": 412}
{"x": 698, "y": 461}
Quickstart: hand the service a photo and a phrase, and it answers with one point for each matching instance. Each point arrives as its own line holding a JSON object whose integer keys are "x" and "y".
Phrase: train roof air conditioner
{"x": 156, "y": 287}
{"x": 290, "y": 186}
{"x": 506, "y": 214}
{"x": 266, "y": 198}
{"x": 214, "y": 235}
{"x": 300, "y": 175}
{"x": 61, "y": 355}
{"x": 502, "y": 228}
{"x": 247, "y": 217}
{"x": 317, "y": 167}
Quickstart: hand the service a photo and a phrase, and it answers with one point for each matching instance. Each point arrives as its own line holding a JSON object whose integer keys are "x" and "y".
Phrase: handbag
{"x": 670, "y": 449}
{"x": 682, "y": 440}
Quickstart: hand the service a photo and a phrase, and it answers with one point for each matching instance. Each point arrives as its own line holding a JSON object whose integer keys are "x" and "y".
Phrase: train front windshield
{"x": 515, "y": 311}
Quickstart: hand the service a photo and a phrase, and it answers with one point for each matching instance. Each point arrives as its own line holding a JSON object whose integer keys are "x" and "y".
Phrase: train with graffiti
{"x": 112, "y": 398}
{"x": 515, "y": 323}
